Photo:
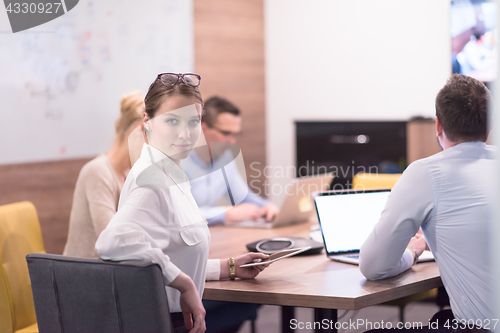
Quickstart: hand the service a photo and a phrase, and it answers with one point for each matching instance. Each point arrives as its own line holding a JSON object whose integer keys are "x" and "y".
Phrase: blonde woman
{"x": 100, "y": 182}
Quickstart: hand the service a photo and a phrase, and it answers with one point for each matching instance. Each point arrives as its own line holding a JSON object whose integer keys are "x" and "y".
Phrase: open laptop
{"x": 347, "y": 218}
{"x": 298, "y": 205}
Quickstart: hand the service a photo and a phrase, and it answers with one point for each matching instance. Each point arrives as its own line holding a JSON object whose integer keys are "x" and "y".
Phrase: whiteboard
{"x": 61, "y": 82}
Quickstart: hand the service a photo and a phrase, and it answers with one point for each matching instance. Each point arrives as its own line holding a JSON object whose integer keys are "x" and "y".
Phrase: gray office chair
{"x": 80, "y": 295}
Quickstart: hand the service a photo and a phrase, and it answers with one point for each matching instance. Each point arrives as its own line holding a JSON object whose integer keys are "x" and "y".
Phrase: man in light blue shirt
{"x": 213, "y": 173}
{"x": 214, "y": 176}
{"x": 450, "y": 196}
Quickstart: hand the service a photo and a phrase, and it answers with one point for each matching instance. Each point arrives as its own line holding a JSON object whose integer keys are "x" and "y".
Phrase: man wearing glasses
{"x": 213, "y": 175}
{"x": 221, "y": 126}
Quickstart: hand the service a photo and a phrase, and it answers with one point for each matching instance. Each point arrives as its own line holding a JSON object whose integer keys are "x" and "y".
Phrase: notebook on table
{"x": 346, "y": 220}
{"x": 298, "y": 205}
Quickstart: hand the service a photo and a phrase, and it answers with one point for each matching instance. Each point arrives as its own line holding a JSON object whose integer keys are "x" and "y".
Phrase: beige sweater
{"x": 95, "y": 201}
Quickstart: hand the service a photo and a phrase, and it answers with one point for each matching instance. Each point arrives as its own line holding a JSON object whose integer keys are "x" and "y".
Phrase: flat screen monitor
{"x": 345, "y": 148}
{"x": 473, "y": 29}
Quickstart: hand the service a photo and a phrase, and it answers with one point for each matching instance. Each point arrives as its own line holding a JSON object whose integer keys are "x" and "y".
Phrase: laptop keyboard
{"x": 353, "y": 256}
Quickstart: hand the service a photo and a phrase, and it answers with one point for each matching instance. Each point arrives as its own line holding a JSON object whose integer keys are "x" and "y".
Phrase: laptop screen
{"x": 347, "y": 217}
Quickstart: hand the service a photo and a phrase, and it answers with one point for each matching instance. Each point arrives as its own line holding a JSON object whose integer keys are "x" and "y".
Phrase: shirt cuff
{"x": 170, "y": 272}
{"x": 407, "y": 259}
{"x": 213, "y": 270}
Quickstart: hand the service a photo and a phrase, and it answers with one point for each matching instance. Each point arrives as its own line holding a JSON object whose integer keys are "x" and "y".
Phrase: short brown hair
{"x": 216, "y": 105}
{"x": 131, "y": 109}
{"x": 462, "y": 109}
{"x": 158, "y": 92}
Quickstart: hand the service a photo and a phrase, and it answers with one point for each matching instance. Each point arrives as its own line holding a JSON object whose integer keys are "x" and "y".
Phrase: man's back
{"x": 458, "y": 228}
{"x": 449, "y": 195}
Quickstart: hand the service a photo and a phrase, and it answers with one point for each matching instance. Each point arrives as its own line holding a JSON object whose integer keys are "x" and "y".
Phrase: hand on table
{"x": 270, "y": 211}
{"x": 242, "y": 212}
{"x": 419, "y": 232}
{"x": 418, "y": 244}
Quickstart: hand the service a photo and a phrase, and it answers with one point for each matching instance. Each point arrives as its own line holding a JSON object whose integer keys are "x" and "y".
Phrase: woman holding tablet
{"x": 157, "y": 217}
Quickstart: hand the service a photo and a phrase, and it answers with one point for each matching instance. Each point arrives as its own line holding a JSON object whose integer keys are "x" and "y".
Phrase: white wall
{"x": 61, "y": 82}
{"x": 349, "y": 60}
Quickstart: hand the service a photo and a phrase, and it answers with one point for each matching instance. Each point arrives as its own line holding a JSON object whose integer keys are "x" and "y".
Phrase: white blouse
{"x": 158, "y": 219}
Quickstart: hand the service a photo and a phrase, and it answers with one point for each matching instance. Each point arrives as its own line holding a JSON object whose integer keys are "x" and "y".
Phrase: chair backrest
{"x": 20, "y": 234}
{"x": 371, "y": 181}
{"x": 74, "y": 295}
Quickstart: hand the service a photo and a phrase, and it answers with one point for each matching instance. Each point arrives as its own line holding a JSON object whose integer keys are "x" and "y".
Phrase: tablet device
{"x": 277, "y": 256}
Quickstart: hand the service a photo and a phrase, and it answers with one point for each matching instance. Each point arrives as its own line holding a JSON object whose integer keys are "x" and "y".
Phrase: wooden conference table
{"x": 311, "y": 281}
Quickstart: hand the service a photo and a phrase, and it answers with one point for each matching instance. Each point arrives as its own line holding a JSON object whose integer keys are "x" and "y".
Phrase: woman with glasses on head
{"x": 157, "y": 217}
{"x": 100, "y": 181}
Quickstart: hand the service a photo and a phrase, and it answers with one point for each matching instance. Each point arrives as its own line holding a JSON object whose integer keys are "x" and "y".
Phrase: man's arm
{"x": 255, "y": 199}
{"x": 240, "y": 190}
{"x": 247, "y": 204}
{"x": 411, "y": 203}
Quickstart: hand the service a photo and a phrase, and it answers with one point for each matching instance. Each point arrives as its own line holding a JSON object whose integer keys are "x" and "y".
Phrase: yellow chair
{"x": 370, "y": 181}
{"x": 367, "y": 181}
{"x": 20, "y": 234}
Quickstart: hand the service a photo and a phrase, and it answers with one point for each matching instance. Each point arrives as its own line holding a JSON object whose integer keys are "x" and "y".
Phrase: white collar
{"x": 151, "y": 160}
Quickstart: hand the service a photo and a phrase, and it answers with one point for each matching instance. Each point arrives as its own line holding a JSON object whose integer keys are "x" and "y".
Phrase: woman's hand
{"x": 246, "y": 272}
{"x": 191, "y": 305}
{"x": 249, "y": 272}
